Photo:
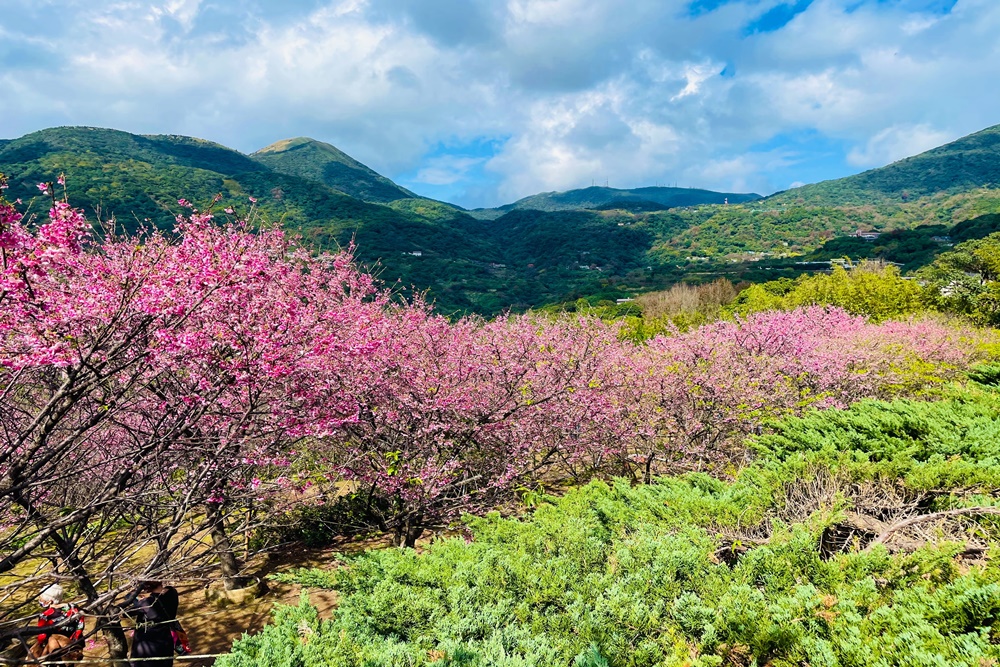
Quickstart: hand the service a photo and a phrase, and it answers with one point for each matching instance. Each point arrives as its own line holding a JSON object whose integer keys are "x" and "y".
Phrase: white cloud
{"x": 694, "y": 77}
{"x": 573, "y": 91}
{"x": 446, "y": 170}
{"x": 918, "y": 24}
{"x": 184, "y": 11}
{"x": 896, "y": 142}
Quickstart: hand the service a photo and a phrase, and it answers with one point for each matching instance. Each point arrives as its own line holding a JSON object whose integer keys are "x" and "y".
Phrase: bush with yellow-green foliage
{"x": 874, "y": 290}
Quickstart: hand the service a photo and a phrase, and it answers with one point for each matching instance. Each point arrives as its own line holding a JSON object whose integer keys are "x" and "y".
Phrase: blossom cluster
{"x": 217, "y": 351}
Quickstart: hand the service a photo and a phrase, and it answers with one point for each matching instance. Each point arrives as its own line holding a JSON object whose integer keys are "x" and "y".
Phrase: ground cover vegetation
{"x": 173, "y": 402}
{"x": 856, "y": 537}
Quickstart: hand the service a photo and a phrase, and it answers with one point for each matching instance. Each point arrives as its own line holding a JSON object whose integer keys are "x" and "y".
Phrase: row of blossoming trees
{"x": 161, "y": 396}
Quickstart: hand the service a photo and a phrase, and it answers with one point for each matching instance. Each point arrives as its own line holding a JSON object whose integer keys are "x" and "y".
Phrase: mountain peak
{"x": 284, "y": 145}
{"x": 327, "y": 164}
{"x": 296, "y": 143}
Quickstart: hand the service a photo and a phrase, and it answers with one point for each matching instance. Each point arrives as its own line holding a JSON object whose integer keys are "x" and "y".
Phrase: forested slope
{"x": 970, "y": 162}
{"x": 597, "y": 243}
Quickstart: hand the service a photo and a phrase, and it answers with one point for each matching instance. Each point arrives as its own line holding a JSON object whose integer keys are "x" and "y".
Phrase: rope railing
{"x": 20, "y": 635}
{"x": 106, "y": 661}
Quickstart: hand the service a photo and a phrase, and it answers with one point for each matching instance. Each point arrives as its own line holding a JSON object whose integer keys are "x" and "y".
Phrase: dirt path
{"x": 212, "y": 627}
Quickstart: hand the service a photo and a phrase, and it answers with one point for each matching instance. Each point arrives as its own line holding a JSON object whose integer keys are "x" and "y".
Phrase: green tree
{"x": 966, "y": 279}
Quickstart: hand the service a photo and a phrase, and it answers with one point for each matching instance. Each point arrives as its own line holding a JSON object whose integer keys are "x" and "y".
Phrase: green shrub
{"x": 876, "y": 291}
{"x": 926, "y": 445}
{"x": 616, "y": 575}
{"x": 601, "y": 577}
{"x": 320, "y": 525}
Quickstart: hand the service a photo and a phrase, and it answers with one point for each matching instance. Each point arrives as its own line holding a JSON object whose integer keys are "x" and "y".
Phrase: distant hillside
{"x": 116, "y": 146}
{"x": 596, "y": 243}
{"x": 637, "y": 199}
{"x": 965, "y": 164}
{"x": 321, "y": 162}
{"x": 911, "y": 248}
{"x": 137, "y": 180}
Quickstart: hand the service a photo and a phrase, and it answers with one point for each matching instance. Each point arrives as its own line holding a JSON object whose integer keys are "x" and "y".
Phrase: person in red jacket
{"x": 60, "y": 625}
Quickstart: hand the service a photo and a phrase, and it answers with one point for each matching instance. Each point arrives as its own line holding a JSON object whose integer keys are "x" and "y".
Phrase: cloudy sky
{"x": 481, "y": 102}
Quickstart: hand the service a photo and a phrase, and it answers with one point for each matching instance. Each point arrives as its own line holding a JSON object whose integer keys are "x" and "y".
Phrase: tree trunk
{"x": 408, "y": 531}
{"x": 413, "y": 533}
{"x": 229, "y": 564}
{"x": 114, "y": 635}
{"x": 647, "y": 475}
{"x": 113, "y": 632}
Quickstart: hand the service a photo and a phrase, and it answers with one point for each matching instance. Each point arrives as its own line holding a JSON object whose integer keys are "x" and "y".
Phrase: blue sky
{"x": 481, "y": 102}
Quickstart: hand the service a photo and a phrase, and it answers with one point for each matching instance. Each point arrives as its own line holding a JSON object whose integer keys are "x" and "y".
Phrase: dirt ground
{"x": 212, "y": 627}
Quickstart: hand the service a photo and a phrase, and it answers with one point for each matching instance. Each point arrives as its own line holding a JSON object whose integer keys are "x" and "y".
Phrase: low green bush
{"x": 689, "y": 570}
{"x": 320, "y": 525}
{"x": 923, "y": 445}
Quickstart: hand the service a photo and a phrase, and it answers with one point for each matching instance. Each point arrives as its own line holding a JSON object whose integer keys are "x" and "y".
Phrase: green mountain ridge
{"x": 597, "y": 197}
{"x": 323, "y": 163}
{"x": 598, "y": 243}
{"x": 973, "y": 161}
{"x": 112, "y": 145}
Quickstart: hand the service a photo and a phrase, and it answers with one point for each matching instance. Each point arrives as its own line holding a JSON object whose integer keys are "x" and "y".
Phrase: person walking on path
{"x": 155, "y": 616}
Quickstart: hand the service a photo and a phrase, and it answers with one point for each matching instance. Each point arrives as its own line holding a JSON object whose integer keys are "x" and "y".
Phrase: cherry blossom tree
{"x": 696, "y": 395}
{"x": 143, "y": 378}
{"x": 467, "y": 412}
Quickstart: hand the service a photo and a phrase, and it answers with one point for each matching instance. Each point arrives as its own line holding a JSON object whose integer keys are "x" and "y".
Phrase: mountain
{"x": 137, "y": 180}
{"x": 962, "y": 165}
{"x": 601, "y": 198}
{"x": 522, "y": 259}
{"x": 323, "y": 163}
{"x": 597, "y": 243}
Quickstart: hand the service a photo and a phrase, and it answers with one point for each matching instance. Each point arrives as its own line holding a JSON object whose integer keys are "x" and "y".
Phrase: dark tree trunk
{"x": 647, "y": 476}
{"x": 114, "y": 635}
{"x": 229, "y": 564}
{"x": 113, "y": 632}
{"x": 408, "y": 531}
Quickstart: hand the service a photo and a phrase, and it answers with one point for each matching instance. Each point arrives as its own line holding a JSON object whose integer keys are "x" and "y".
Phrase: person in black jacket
{"x": 155, "y": 616}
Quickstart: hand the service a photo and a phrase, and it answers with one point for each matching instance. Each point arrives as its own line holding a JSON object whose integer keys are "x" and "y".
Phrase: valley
{"x": 596, "y": 243}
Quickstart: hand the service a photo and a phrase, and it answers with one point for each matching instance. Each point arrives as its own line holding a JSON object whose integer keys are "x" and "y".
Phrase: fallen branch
{"x": 934, "y": 516}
